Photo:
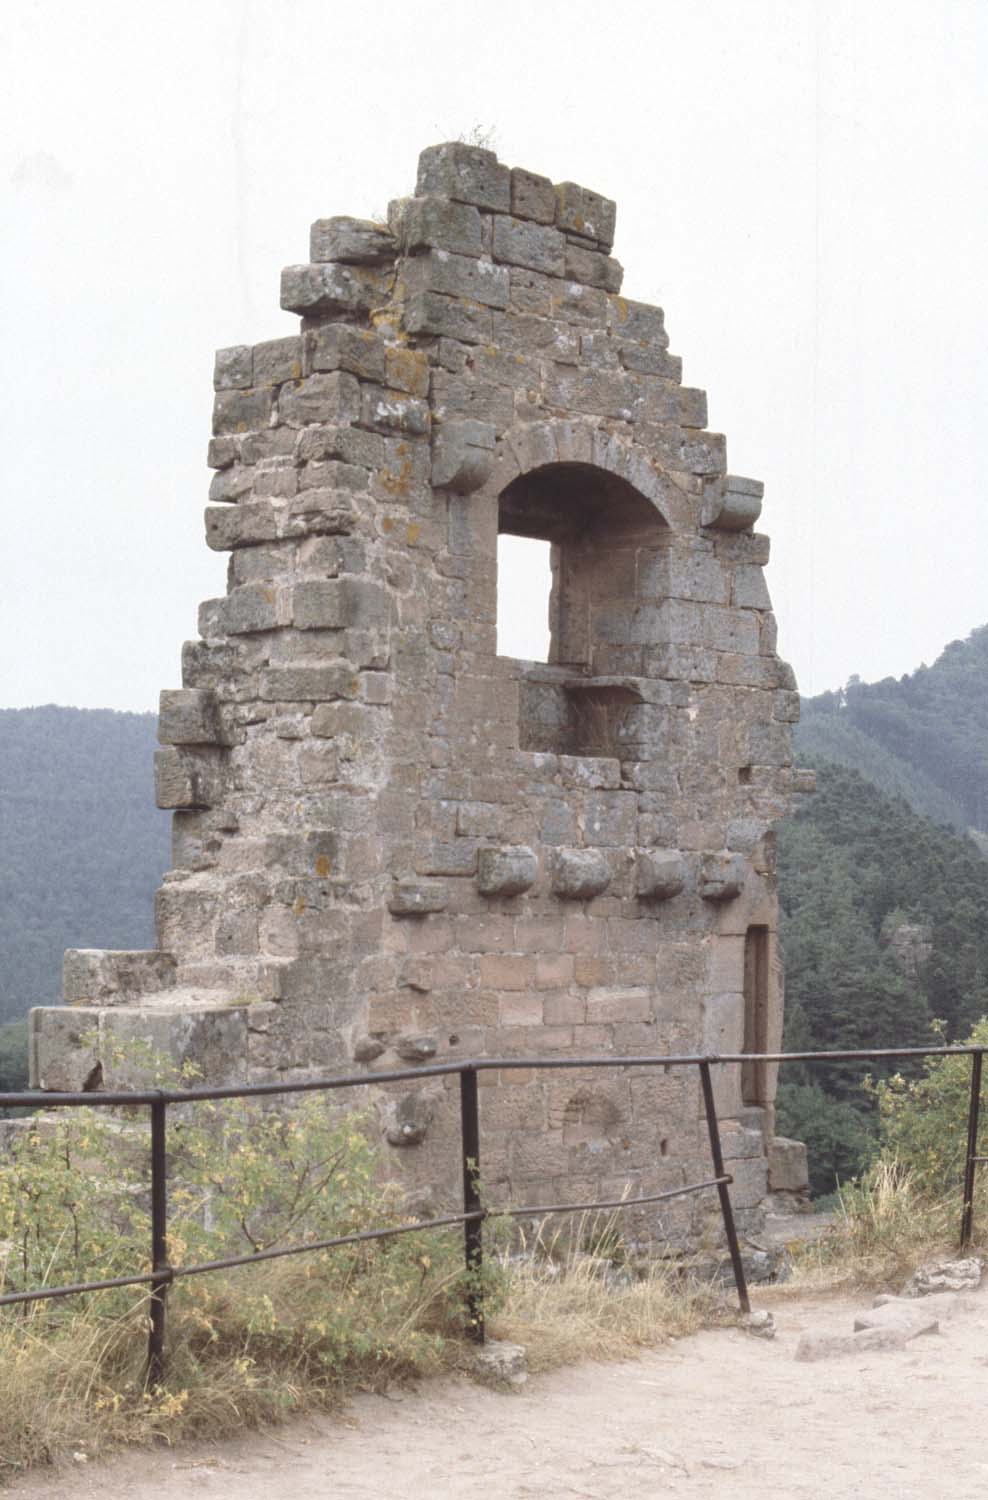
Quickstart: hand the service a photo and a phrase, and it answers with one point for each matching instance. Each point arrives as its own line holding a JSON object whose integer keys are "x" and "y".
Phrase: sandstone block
{"x": 661, "y": 874}
{"x": 241, "y": 410}
{"x": 390, "y": 411}
{"x": 333, "y": 398}
{"x": 448, "y": 317}
{"x": 185, "y": 779}
{"x": 300, "y": 684}
{"x": 335, "y": 346}
{"x": 63, "y": 1048}
{"x": 99, "y": 974}
{"x": 234, "y": 369}
{"x": 244, "y": 525}
{"x": 413, "y": 1114}
{"x": 434, "y": 223}
{"x": 188, "y": 716}
{"x": 518, "y": 242}
{"x": 722, "y": 876}
{"x": 583, "y": 212}
{"x": 314, "y": 290}
{"x": 462, "y": 454}
{"x": 579, "y": 874}
{"x": 468, "y": 174}
{"x": 532, "y": 196}
{"x": 737, "y": 508}
{"x": 506, "y": 871}
{"x": 416, "y": 1047}
{"x": 594, "y": 269}
{"x": 457, "y": 276}
{"x": 416, "y": 898}
{"x": 214, "y": 1041}
{"x": 277, "y": 360}
{"x": 353, "y": 241}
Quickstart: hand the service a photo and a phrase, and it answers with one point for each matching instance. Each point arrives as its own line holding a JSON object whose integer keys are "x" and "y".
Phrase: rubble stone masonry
{"x": 393, "y": 845}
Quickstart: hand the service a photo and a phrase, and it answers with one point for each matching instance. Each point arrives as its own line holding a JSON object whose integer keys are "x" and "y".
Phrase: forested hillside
{"x": 856, "y": 869}
{"x": 82, "y": 845}
{"x": 924, "y": 736}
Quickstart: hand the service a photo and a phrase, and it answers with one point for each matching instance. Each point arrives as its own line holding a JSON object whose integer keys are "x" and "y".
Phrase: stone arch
{"x": 540, "y": 445}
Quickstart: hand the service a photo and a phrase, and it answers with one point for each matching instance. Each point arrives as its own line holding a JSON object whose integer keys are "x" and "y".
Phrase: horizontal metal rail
{"x": 36, "y": 1098}
{"x": 162, "y": 1275}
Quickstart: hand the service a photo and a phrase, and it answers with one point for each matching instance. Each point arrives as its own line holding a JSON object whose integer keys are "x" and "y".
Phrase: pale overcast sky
{"x": 802, "y": 187}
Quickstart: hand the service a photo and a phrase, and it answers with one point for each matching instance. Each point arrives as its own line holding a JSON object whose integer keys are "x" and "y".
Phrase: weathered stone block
{"x": 416, "y": 898}
{"x": 469, "y": 174}
{"x": 332, "y": 288}
{"x": 185, "y": 778}
{"x": 234, "y": 369}
{"x": 788, "y": 1171}
{"x": 737, "y": 508}
{"x": 595, "y": 269}
{"x": 390, "y": 411}
{"x": 212, "y": 1040}
{"x": 448, "y": 317}
{"x": 188, "y": 716}
{"x": 277, "y": 360}
{"x": 583, "y": 212}
{"x": 457, "y": 276}
{"x": 242, "y": 410}
{"x": 356, "y": 241}
{"x": 580, "y": 874}
{"x": 63, "y": 1048}
{"x": 532, "y": 196}
{"x": 462, "y": 454}
{"x": 518, "y": 242}
{"x": 308, "y": 684}
{"x": 661, "y": 874}
{"x": 413, "y": 1114}
{"x": 435, "y": 223}
{"x": 99, "y": 974}
{"x": 332, "y": 398}
{"x": 722, "y": 876}
{"x": 506, "y": 871}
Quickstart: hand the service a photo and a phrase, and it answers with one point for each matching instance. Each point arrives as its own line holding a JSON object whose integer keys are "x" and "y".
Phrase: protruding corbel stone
{"x": 738, "y": 508}
{"x": 722, "y": 876}
{"x": 661, "y": 874}
{"x": 188, "y": 716}
{"x": 416, "y": 1047}
{"x": 508, "y": 871}
{"x": 367, "y": 1049}
{"x": 580, "y": 874}
{"x": 462, "y": 455}
{"x": 416, "y": 898}
{"x": 184, "y": 779}
{"x": 358, "y": 242}
{"x": 412, "y": 1117}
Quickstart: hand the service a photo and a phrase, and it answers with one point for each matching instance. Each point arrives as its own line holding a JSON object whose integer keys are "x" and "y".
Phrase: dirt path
{"x": 721, "y": 1414}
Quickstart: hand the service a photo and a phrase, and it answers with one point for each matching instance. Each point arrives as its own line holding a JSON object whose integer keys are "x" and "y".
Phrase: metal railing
{"x": 162, "y": 1274}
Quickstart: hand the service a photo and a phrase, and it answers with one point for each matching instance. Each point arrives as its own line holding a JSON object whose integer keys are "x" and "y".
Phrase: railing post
{"x": 159, "y": 1243}
{"x": 473, "y": 1229}
{"x": 727, "y": 1212}
{"x": 970, "y": 1163}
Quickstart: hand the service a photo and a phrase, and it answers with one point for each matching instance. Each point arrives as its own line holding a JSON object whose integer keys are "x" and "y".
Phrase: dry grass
{"x": 248, "y": 1348}
{"x": 565, "y": 1304}
{"x": 885, "y": 1227}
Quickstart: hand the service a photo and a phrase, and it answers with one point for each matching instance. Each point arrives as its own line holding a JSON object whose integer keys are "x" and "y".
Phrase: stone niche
{"x": 392, "y": 845}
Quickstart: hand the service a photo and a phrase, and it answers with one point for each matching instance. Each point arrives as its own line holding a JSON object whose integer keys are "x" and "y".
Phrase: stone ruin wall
{"x": 390, "y": 843}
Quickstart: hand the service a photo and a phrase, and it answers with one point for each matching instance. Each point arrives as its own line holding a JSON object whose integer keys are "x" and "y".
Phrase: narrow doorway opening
{"x": 524, "y": 583}
{"x": 754, "y": 1087}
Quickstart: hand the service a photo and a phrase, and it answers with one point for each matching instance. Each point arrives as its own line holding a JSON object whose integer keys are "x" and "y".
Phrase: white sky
{"x": 802, "y": 187}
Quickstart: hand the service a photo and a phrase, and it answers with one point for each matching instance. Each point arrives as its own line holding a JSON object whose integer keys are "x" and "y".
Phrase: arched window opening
{"x": 606, "y": 546}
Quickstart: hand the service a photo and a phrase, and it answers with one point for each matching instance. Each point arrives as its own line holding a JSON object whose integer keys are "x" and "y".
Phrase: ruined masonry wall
{"x": 391, "y": 844}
